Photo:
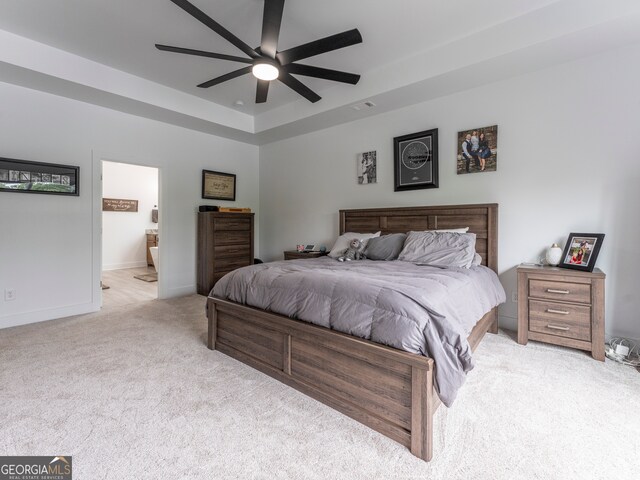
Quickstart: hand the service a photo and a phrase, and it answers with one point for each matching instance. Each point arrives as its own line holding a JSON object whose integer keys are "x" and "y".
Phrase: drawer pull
{"x": 557, "y": 327}
{"x": 560, "y": 312}
{"x": 554, "y": 290}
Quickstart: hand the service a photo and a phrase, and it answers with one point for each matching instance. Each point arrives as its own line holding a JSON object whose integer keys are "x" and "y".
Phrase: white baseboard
{"x": 508, "y": 322}
{"x": 120, "y": 266}
{"x": 7, "y": 321}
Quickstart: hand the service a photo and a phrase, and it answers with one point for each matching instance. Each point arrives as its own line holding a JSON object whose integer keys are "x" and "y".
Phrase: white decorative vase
{"x": 554, "y": 255}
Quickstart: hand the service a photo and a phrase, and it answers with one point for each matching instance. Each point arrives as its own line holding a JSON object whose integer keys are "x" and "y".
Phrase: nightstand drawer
{"x": 296, "y": 255}
{"x": 561, "y": 291}
{"x": 572, "y": 321}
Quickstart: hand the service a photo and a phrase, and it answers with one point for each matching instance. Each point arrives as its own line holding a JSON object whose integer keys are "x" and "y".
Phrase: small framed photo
{"x": 367, "y": 168}
{"x": 218, "y": 185}
{"x": 581, "y": 251}
{"x": 416, "y": 160}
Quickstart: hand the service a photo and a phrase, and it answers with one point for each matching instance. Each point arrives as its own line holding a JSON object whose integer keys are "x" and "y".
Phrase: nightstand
{"x": 563, "y": 307}
{"x": 295, "y": 255}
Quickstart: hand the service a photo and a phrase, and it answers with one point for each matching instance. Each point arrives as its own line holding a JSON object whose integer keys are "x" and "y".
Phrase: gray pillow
{"x": 387, "y": 247}
{"x": 443, "y": 249}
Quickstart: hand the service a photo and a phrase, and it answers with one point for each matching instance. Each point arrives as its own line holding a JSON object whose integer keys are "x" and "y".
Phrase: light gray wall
{"x": 47, "y": 243}
{"x": 569, "y": 160}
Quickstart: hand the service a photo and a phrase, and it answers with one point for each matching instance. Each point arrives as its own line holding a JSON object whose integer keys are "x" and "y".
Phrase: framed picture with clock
{"x": 416, "y": 160}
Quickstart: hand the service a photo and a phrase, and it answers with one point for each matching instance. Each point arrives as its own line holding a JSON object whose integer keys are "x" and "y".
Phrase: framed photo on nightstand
{"x": 581, "y": 251}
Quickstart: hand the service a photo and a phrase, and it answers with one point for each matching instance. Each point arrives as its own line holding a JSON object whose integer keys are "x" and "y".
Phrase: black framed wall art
{"x": 23, "y": 176}
{"x": 416, "y": 160}
{"x": 218, "y": 185}
{"x": 581, "y": 251}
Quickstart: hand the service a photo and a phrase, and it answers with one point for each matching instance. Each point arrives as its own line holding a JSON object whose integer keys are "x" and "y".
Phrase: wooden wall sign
{"x": 119, "y": 205}
{"x": 218, "y": 185}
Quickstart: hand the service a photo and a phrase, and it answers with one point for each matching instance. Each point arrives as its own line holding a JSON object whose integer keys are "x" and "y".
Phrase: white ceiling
{"x": 406, "y": 42}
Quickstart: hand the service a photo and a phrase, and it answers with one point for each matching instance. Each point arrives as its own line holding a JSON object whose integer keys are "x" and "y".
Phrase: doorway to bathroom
{"x": 130, "y": 240}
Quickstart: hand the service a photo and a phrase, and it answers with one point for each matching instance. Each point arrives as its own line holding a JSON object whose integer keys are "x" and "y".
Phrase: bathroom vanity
{"x": 152, "y": 241}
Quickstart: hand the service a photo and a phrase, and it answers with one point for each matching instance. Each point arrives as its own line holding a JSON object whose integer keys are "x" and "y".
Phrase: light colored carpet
{"x": 133, "y": 393}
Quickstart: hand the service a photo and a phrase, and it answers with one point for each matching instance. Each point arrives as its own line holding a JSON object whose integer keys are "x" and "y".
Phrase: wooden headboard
{"x": 482, "y": 219}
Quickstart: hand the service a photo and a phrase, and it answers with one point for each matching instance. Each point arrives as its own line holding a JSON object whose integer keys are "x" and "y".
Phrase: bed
{"x": 389, "y": 390}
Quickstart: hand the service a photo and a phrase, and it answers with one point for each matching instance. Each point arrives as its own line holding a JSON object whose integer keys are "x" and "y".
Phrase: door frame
{"x": 96, "y": 213}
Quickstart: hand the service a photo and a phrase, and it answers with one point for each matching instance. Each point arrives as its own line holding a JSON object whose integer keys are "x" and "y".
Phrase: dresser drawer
{"x": 226, "y": 251}
{"x": 232, "y": 262}
{"x": 218, "y": 275}
{"x": 233, "y": 237}
{"x": 562, "y": 291}
{"x": 571, "y": 321}
{"x": 232, "y": 224}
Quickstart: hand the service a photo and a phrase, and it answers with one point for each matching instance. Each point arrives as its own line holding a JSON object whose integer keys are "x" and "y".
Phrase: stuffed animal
{"x": 354, "y": 252}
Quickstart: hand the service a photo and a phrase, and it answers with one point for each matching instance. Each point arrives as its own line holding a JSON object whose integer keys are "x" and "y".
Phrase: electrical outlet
{"x": 514, "y": 297}
{"x": 9, "y": 294}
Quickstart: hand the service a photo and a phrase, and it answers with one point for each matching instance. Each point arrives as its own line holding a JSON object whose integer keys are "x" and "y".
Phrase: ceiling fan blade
{"x": 215, "y": 26}
{"x": 262, "y": 90}
{"x": 327, "y": 44}
{"x": 324, "y": 73}
{"x": 200, "y": 53}
{"x": 271, "y": 20}
{"x": 299, "y": 87}
{"x": 224, "y": 78}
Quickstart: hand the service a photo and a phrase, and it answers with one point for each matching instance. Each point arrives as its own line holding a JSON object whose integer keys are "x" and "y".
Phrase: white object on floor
{"x": 154, "y": 257}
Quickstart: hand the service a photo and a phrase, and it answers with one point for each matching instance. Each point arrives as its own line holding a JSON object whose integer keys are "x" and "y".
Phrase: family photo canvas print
{"x": 478, "y": 150}
{"x": 367, "y": 168}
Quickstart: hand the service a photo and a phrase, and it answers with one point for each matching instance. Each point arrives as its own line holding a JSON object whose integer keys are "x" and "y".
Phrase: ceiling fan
{"x": 266, "y": 62}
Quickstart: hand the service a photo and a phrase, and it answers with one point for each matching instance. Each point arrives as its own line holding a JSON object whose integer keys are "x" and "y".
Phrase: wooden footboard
{"x": 386, "y": 389}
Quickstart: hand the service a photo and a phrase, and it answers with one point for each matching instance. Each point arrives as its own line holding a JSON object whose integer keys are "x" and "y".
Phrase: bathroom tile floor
{"x": 125, "y": 290}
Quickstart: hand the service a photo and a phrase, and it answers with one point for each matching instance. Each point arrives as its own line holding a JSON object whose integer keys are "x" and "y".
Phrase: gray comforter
{"x": 420, "y": 309}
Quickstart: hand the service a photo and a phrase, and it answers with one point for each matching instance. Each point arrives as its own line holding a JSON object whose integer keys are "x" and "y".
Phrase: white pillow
{"x": 343, "y": 241}
{"x": 445, "y": 249}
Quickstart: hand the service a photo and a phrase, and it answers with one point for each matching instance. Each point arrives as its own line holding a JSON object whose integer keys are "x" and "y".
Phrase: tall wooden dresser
{"x": 225, "y": 242}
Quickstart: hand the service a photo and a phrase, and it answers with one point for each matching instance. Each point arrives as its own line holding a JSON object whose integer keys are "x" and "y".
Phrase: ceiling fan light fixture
{"x": 265, "y": 71}
{"x": 265, "y": 62}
